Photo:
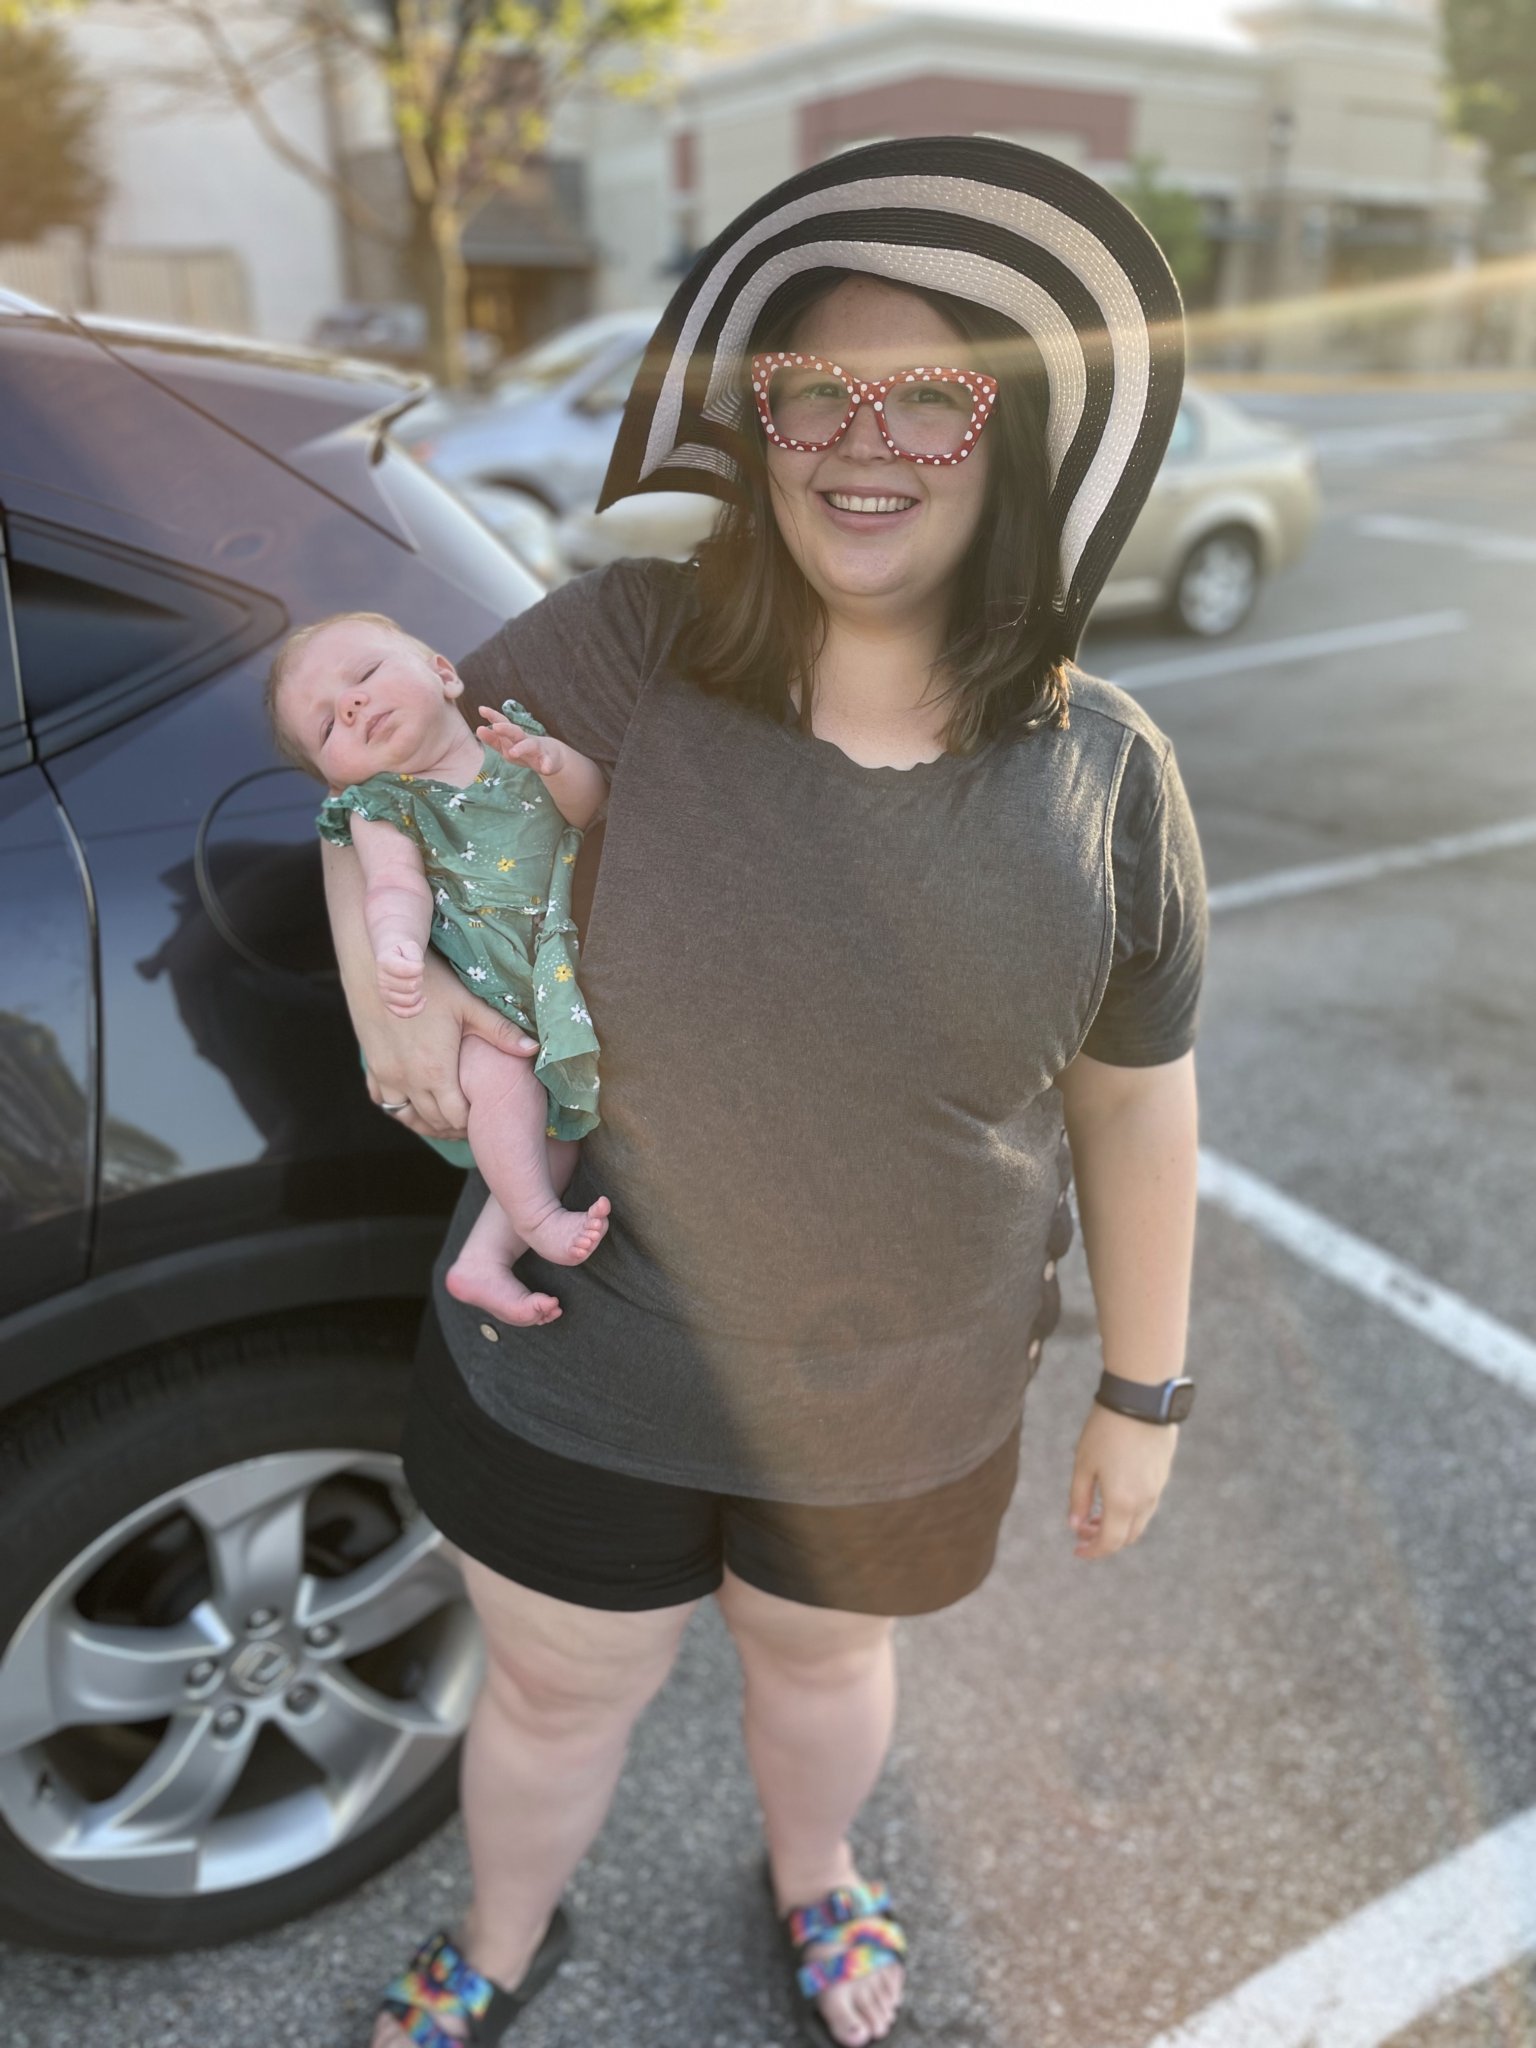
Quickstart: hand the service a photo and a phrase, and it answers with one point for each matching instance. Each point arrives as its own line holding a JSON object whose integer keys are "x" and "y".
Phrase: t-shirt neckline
{"x": 830, "y": 756}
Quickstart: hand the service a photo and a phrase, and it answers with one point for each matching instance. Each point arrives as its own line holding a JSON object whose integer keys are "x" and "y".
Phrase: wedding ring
{"x": 394, "y": 1108}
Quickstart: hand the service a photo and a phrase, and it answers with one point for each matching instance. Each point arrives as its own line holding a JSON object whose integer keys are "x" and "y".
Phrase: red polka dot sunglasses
{"x": 925, "y": 414}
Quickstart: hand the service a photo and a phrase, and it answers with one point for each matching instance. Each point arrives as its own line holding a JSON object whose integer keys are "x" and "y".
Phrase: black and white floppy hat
{"x": 989, "y": 221}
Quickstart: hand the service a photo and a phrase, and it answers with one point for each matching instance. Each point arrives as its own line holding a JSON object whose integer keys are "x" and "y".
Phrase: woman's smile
{"x": 869, "y": 511}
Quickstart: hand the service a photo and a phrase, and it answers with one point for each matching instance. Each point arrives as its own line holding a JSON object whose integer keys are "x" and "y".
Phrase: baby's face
{"x": 361, "y": 700}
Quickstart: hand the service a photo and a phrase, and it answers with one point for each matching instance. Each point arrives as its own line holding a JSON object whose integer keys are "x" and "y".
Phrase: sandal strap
{"x": 856, "y": 1930}
{"x": 438, "y": 1983}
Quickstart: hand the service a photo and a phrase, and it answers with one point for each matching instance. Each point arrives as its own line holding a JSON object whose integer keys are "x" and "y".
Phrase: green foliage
{"x": 1172, "y": 217}
{"x": 1490, "y": 60}
{"x": 48, "y": 112}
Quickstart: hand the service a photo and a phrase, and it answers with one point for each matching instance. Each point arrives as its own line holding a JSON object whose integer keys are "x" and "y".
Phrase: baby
{"x": 467, "y": 840}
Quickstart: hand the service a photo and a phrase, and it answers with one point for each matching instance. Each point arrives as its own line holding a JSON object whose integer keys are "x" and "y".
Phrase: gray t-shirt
{"x": 832, "y": 1002}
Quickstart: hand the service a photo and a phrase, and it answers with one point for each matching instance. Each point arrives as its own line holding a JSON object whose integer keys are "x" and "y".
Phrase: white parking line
{"x": 1451, "y": 1321}
{"x": 1486, "y": 542}
{"x": 1352, "y": 443}
{"x": 1395, "y": 1960}
{"x": 1301, "y": 647}
{"x": 1365, "y": 867}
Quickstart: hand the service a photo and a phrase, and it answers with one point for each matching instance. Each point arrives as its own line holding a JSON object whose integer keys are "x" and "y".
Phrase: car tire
{"x": 207, "y": 1425}
{"x": 1217, "y": 585}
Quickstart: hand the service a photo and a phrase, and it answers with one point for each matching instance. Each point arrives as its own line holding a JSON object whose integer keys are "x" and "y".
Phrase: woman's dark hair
{"x": 760, "y": 625}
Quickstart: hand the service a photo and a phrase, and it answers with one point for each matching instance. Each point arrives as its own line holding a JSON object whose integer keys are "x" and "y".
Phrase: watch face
{"x": 1181, "y": 1400}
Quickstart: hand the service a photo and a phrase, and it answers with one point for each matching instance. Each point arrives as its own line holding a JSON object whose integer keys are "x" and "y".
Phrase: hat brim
{"x": 989, "y": 221}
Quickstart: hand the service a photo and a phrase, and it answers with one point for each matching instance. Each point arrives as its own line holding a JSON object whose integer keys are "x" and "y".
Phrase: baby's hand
{"x": 402, "y": 978}
{"x": 543, "y": 756}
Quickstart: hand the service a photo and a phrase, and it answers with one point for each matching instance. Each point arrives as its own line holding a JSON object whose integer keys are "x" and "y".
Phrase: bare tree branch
{"x": 248, "y": 94}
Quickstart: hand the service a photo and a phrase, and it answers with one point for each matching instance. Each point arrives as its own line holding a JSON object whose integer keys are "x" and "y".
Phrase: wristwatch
{"x": 1170, "y": 1402}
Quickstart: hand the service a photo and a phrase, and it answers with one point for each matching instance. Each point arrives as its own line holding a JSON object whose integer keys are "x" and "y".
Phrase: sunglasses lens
{"x": 925, "y": 417}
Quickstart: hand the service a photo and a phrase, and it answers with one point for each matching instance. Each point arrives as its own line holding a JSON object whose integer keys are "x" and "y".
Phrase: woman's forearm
{"x": 1135, "y": 1153}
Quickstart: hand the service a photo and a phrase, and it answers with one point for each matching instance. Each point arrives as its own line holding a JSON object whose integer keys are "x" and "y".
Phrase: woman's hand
{"x": 414, "y": 1060}
{"x": 1130, "y": 1461}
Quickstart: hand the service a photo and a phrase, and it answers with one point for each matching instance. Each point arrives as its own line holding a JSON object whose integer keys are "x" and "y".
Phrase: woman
{"x": 890, "y": 893}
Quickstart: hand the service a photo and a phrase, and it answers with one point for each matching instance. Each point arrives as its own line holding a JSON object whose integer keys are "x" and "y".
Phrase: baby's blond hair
{"x": 288, "y": 653}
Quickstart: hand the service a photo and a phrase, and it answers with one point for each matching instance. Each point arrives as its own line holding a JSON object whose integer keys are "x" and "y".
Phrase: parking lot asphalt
{"x": 1210, "y": 1793}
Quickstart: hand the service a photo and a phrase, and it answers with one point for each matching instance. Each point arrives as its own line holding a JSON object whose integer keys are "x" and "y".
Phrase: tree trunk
{"x": 440, "y": 275}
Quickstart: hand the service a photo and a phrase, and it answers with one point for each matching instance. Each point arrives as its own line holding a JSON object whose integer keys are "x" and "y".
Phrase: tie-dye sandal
{"x": 437, "y": 1984}
{"x": 855, "y": 1933}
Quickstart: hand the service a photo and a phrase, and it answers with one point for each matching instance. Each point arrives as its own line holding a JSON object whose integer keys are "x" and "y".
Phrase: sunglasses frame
{"x": 874, "y": 391}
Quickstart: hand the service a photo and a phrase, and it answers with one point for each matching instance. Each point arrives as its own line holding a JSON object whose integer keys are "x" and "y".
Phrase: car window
{"x": 561, "y": 356}
{"x": 1186, "y": 436}
{"x": 96, "y": 623}
{"x": 611, "y": 390}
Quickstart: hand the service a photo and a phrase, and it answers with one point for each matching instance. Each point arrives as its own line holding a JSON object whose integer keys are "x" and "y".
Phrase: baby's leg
{"x": 507, "y": 1112}
{"x": 482, "y": 1273}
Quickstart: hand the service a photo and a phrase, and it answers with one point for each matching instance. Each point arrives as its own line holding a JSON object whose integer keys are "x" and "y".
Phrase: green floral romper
{"x": 499, "y": 860}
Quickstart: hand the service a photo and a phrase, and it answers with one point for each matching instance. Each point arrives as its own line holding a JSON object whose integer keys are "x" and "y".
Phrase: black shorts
{"x": 607, "y": 1539}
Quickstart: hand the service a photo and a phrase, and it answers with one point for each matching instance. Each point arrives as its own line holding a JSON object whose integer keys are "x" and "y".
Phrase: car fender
{"x": 316, "y": 1265}
{"x": 1214, "y": 509}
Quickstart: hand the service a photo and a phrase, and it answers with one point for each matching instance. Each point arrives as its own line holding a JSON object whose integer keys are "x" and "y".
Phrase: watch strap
{"x": 1169, "y": 1402}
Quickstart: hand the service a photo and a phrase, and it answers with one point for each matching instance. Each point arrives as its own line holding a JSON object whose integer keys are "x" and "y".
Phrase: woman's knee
{"x": 567, "y": 1668}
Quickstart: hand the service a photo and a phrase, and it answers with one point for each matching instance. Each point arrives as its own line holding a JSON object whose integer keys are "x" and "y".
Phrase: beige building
{"x": 1313, "y": 136}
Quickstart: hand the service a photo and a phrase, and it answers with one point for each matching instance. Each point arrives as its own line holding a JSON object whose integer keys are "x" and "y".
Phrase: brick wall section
{"x": 683, "y": 165}
{"x": 943, "y": 105}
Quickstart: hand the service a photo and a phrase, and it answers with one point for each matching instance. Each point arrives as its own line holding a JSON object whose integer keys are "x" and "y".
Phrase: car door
{"x": 48, "y": 1015}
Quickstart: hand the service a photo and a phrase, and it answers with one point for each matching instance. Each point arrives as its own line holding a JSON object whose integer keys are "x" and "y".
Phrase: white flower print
{"x": 580, "y": 1014}
{"x": 441, "y": 895}
{"x": 530, "y": 803}
{"x": 475, "y": 973}
{"x": 469, "y": 850}
{"x": 541, "y": 992}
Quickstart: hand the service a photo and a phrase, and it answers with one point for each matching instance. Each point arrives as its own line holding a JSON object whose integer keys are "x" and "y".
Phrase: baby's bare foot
{"x": 486, "y": 1283}
{"x": 566, "y": 1236}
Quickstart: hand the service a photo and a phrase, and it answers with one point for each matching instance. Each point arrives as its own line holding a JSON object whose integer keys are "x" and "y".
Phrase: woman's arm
{"x": 1135, "y": 1145}
{"x": 414, "y": 1059}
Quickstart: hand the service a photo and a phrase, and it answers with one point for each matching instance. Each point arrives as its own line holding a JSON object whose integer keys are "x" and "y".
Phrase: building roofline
{"x": 965, "y": 31}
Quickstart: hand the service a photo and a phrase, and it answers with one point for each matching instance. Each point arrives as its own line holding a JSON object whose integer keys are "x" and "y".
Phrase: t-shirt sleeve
{"x": 580, "y": 657}
{"x": 1147, "y": 1016}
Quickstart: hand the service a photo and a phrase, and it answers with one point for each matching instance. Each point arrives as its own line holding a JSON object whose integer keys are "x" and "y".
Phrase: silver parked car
{"x": 546, "y": 428}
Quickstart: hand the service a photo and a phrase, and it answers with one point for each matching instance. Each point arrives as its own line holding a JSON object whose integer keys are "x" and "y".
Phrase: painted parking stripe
{"x": 1365, "y": 867}
{"x": 1301, "y": 647}
{"x": 1486, "y": 542}
{"x": 1451, "y": 1321}
{"x": 1352, "y": 443}
{"x": 1397, "y": 1959}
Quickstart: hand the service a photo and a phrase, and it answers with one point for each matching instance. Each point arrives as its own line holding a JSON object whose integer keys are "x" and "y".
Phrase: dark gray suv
{"x": 234, "y": 1659}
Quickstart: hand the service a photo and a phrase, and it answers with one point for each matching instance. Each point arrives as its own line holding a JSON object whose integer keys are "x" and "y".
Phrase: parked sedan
{"x": 235, "y": 1660}
{"x": 546, "y": 429}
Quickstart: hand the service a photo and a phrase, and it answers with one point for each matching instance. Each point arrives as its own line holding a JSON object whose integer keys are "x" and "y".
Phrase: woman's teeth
{"x": 845, "y": 503}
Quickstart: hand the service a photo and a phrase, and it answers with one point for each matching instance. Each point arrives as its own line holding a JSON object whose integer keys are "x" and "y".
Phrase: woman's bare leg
{"x": 482, "y": 1273}
{"x": 819, "y": 1707}
{"x": 508, "y": 1112}
{"x": 564, "y": 1686}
